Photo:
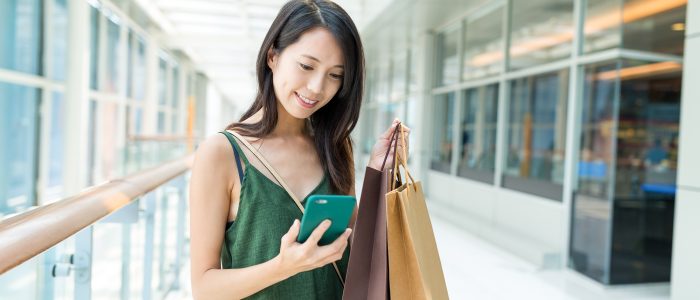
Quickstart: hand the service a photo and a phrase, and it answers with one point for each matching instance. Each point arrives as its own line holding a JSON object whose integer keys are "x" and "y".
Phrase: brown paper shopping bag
{"x": 415, "y": 271}
{"x": 368, "y": 270}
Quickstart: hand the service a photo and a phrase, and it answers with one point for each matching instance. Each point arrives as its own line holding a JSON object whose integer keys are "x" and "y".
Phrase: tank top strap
{"x": 238, "y": 154}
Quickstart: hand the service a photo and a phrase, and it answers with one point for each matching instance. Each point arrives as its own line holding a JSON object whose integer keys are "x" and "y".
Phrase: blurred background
{"x": 554, "y": 138}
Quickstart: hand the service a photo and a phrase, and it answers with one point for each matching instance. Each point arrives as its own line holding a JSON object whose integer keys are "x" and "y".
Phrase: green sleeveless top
{"x": 265, "y": 214}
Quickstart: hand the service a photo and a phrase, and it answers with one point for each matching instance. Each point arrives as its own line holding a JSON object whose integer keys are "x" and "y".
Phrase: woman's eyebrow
{"x": 316, "y": 59}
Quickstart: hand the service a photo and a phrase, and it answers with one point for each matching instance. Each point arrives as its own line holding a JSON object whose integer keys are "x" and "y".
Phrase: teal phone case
{"x": 337, "y": 208}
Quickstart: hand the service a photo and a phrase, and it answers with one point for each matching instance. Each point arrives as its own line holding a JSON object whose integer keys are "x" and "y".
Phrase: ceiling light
{"x": 678, "y": 27}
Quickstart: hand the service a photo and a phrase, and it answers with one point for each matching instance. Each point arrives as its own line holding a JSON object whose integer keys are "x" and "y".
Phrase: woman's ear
{"x": 272, "y": 58}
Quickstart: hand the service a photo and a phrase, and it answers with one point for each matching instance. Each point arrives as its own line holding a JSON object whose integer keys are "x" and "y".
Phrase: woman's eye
{"x": 337, "y": 76}
{"x": 305, "y": 67}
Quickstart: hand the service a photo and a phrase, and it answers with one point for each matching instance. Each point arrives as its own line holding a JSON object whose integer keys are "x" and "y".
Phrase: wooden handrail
{"x": 30, "y": 233}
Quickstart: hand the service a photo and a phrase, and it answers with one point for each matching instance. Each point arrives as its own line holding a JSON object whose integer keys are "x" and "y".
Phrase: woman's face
{"x": 308, "y": 73}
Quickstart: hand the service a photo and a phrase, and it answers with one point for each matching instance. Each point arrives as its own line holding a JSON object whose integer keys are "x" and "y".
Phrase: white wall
{"x": 213, "y": 122}
{"x": 685, "y": 275}
{"x": 529, "y": 226}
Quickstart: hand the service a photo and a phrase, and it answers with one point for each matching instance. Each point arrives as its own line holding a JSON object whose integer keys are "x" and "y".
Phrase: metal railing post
{"x": 126, "y": 261}
{"x": 181, "y": 209}
{"x": 82, "y": 261}
{"x": 150, "y": 207}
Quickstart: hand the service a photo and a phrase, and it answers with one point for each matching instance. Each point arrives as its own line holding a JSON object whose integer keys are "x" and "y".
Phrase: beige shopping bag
{"x": 415, "y": 271}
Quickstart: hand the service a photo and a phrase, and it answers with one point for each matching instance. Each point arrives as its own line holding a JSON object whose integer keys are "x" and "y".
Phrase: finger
{"x": 337, "y": 247}
{"x": 318, "y": 233}
{"x": 292, "y": 233}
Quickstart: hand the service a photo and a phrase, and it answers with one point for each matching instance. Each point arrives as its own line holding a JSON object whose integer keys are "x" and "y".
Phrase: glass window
{"x": 175, "y": 120}
{"x": 134, "y": 119}
{"x": 647, "y": 25}
{"x": 94, "y": 45}
{"x": 597, "y": 138}
{"x": 398, "y": 77}
{"x": 645, "y": 171}
{"x": 18, "y": 133}
{"x": 59, "y": 39}
{"x": 479, "y": 120}
{"x": 56, "y": 143}
{"x": 109, "y": 164}
{"x": 162, "y": 82}
{"x": 483, "y": 45}
{"x": 20, "y": 35}
{"x": 130, "y": 65}
{"x": 176, "y": 88}
{"x": 627, "y": 168}
{"x": 139, "y": 75}
{"x": 541, "y": 31}
{"x": 443, "y": 133}
{"x": 591, "y": 205}
{"x": 381, "y": 82}
{"x": 448, "y": 58}
{"x": 161, "y": 122}
{"x": 654, "y": 25}
{"x": 537, "y": 134}
{"x": 92, "y": 138}
{"x": 111, "y": 82}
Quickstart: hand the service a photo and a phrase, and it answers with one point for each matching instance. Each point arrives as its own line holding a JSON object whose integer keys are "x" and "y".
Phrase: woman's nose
{"x": 315, "y": 85}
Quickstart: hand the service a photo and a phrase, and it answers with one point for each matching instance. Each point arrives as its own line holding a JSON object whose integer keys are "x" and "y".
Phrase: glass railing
{"x": 135, "y": 252}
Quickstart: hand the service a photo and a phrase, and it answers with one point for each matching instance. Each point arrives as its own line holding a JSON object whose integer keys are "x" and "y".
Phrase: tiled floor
{"x": 476, "y": 269}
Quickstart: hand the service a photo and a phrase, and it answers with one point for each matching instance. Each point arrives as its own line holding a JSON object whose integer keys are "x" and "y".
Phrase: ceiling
{"x": 222, "y": 37}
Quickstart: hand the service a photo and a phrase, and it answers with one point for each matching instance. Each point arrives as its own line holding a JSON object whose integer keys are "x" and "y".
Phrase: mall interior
{"x": 553, "y": 138}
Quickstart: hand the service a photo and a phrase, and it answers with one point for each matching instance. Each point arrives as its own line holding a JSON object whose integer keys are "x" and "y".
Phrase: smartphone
{"x": 336, "y": 208}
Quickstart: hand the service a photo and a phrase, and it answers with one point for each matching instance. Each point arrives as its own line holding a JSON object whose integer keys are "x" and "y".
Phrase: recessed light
{"x": 678, "y": 26}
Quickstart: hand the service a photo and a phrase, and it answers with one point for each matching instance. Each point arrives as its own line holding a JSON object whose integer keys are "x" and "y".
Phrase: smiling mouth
{"x": 305, "y": 102}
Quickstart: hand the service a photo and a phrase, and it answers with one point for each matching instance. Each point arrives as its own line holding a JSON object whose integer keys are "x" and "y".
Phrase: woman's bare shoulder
{"x": 215, "y": 147}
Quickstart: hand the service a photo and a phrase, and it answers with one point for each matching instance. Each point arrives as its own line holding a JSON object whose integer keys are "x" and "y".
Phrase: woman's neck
{"x": 287, "y": 125}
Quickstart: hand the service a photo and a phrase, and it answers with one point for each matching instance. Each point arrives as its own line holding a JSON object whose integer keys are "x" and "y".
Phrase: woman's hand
{"x": 295, "y": 257}
{"x": 383, "y": 143}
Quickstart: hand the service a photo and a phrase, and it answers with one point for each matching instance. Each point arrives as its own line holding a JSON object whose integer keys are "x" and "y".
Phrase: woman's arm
{"x": 210, "y": 189}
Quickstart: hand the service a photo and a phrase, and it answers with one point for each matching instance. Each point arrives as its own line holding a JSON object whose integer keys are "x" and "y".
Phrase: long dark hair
{"x": 331, "y": 125}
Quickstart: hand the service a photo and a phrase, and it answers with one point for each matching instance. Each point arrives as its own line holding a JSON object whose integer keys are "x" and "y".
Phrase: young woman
{"x": 244, "y": 226}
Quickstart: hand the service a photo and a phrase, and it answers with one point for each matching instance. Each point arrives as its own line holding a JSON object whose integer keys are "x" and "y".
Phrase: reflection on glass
{"x": 537, "y": 133}
{"x": 139, "y": 68}
{"x": 483, "y": 45}
{"x": 94, "y": 45}
{"x": 92, "y": 138}
{"x": 162, "y": 82}
{"x": 591, "y": 211}
{"x": 130, "y": 65}
{"x": 448, "y": 58}
{"x": 59, "y": 39}
{"x": 55, "y": 180}
{"x": 111, "y": 82}
{"x": 541, "y": 32}
{"x": 18, "y": 133}
{"x": 654, "y": 25}
{"x": 443, "y": 133}
{"x": 645, "y": 175}
{"x": 176, "y": 88}
{"x": 161, "y": 122}
{"x": 20, "y": 35}
{"x": 479, "y": 121}
{"x": 109, "y": 163}
{"x": 630, "y": 207}
{"x": 174, "y": 122}
{"x": 647, "y": 25}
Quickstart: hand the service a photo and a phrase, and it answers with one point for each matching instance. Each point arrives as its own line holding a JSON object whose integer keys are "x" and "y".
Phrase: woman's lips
{"x": 304, "y": 103}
